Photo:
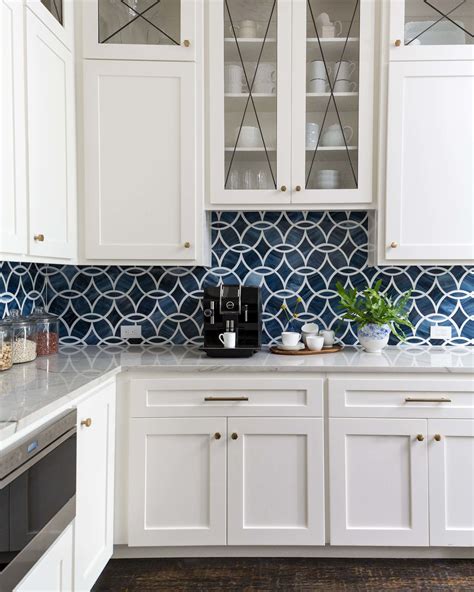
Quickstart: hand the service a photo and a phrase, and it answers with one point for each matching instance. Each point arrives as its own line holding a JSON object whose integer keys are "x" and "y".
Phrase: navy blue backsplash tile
{"x": 287, "y": 254}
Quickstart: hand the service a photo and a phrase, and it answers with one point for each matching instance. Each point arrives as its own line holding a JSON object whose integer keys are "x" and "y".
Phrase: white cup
{"x": 318, "y": 69}
{"x": 344, "y": 86}
{"x": 266, "y": 72}
{"x": 267, "y": 88}
{"x": 334, "y": 136}
{"x": 249, "y": 136}
{"x": 332, "y": 30}
{"x": 329, "y": 336}
{"x": 233, "y": 75}
{"x": 327, "y": 179}
{"x": 227, "y": 339}
{"x": 315, "y": 342}
{"x": 343, "y": 70}
{"x": 312, "y": 135}
{"x": 318, "y": 85}
{"x": 308, "y": 330}
{"x": 246, "y": 29}
{"x": 290, "y": 338}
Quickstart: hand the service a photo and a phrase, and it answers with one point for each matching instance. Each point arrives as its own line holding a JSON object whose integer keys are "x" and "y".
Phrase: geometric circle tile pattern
{"x": 287, "y": 254}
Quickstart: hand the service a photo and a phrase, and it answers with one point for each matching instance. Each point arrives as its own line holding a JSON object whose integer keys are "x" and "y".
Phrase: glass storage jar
{"x": 47, "y": 332}
{"x": 24, "y": 338}
{"x": 6, "y": 353}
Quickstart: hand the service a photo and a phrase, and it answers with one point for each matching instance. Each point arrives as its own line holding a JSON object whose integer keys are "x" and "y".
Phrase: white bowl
{"x": 315, "y": 342}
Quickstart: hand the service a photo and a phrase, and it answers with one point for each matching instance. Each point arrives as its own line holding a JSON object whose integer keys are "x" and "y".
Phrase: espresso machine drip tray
{"x": 221, "y": 352}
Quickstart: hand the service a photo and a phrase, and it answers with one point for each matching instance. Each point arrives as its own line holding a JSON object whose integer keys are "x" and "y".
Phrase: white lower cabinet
{"x": 378, "y": 482}
{"x": 54, "y": 571}
{"x": 177, "y": 488}
{"x": 451, "y": 466}
{"x": 275, "y": 481}
{"x": 95, "y": 487}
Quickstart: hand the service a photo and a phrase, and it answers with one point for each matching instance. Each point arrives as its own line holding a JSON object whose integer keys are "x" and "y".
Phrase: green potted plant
{"x": 375, "y": 314}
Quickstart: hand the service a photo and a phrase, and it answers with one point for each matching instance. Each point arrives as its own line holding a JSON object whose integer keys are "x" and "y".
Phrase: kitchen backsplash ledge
{"x": 286, "y": 253}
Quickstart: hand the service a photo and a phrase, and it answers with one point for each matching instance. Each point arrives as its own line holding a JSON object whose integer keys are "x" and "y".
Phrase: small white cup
{"x": 227, "y": 339}
{"x": 249, "y": 136}
{"x": 315, "y": 342}
{"x": 345, "y": 86}
{"x": 312, "y": 135}
{"x": 329, "y": 337}
{"x": 290, "y": 338}
{"x": 344, "y": 70}
{"x": 319, "y": 69}
{"x": 317, "y": 85}
{"x": 233, "y": 76}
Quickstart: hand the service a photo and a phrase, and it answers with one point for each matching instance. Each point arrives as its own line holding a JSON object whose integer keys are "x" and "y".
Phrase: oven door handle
{"x": 36, "y": 458}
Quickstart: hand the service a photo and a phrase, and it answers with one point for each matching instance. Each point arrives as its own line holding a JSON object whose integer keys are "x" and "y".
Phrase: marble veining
{"x": 31, "y": 391}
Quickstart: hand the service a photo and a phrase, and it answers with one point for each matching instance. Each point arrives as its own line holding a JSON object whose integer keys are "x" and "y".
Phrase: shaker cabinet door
{"x": 13, "y": 198}
{"x": 430, "y": 154}
{"x": 95, "y": 487}
{"x": 276, "y": 481}
{"x": 378, "y": 482}
{"x": 51, "y": 143}
{"x": 140, "y": 160}
{"x": 177, "y": 482}
{"x": 451, "y": 466}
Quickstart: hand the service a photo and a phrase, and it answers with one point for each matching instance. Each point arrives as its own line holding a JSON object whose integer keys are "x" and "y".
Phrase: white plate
{"x": 296, "y": 347}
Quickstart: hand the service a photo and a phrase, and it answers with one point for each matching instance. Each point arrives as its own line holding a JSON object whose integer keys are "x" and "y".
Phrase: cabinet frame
{"x": 64, "y": 32}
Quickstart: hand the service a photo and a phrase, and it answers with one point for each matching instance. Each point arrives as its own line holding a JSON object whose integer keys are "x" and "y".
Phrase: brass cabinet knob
{"x": 283, "y": 188}
{"x": 217, "y": 436}
{"x": 437, "y": 437}
{"x": 393, "y": 244}
{"x": 420, "y": 437}
{"x": 39, "y": 238}
{"x": 187, "y": 245}
{"x": 186, "y": 43}
{"x": 298, "y": 188}
{"x": 86, "y": 422}
{"x": 234, "y": 436}
{"x": 398, "y": 43}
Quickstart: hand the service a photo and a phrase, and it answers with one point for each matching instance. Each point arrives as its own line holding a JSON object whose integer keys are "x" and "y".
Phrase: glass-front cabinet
{"x": 58, "y": 16}
{"x": 431, "y": 29}
{"x": 140, "y": 29}
{"x": 291, "y": 102}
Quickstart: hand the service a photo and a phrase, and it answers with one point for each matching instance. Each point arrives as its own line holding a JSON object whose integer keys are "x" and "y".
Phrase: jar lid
{"x": 39, "y": 314}
{"x": 15, "y": 319}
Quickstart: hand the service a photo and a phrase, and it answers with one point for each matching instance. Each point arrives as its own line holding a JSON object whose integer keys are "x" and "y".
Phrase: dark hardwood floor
{"x": 287, "y": 575}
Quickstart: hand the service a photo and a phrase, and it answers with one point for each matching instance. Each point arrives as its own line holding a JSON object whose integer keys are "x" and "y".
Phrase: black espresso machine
{"x": 232, "y": 309}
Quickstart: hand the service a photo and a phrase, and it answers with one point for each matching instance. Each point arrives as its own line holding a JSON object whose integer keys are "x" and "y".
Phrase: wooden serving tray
{"x": 305, "y": 352}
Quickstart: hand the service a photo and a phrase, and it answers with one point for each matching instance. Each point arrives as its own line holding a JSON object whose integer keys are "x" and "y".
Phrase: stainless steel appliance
{"x": 37, "y": 496}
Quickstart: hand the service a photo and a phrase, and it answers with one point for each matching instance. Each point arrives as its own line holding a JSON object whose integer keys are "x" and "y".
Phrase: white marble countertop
{"x": 34, "y": 390}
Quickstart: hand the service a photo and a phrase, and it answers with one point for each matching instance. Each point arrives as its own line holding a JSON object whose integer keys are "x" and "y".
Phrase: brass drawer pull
{"x": 437, "y": 437}
{"x": 398, "y": 42}
{"x": 420, "y": 437}
{"x": 86, "y": 422}
{"x": 234, "y": 436}
{"x": 226, "y": 398}
{"x": 416, "y": 400}
{"x": 186, "y": 43}
{"x": 217, "y": 436}
{"x": 39, "y": 238}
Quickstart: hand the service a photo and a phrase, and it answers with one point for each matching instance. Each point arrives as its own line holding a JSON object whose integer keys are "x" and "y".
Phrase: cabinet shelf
{"x": 263, "y": 101}
{"x": 249, "y": 48}
{"x": 346, "y": 101}
{"x": 332, "y": 47}
{"x": 331, "y": 153}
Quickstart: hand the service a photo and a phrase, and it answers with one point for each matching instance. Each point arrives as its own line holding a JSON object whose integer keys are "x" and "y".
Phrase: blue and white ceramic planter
{"x": 373, "y": 338}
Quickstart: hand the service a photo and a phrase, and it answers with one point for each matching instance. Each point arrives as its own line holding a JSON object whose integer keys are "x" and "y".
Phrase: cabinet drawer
{"x": 405, "y": 396}
{"x": 226, "y": 396}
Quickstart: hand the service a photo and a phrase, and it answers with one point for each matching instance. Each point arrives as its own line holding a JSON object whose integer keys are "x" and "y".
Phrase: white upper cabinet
{"x": 140, "y": 29}
{"x": 434, "y": 30}
{"x": 140, "y": 155}
{"x": 429, "y": 191}
{"x": 290, "y": 103}
{"x": 58, "y": 16}
{"x": 13, "y": 198}
{"x": 51, "y": 143}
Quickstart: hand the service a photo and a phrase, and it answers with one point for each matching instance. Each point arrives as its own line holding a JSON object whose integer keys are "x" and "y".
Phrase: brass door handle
{"x": 186, "y": 43}
{"x": 298, "y": 188}
{"x": 234, "y": 436}
{"x": 398, "y": 43}
{"x": 187, "y": 245}
{"x": 217, "y": 436}
{"x": 420, "y": 437}
{"x": 437, "y": 437}
{"x": 39, "y": 238}
{"x": 226, "y": 398}
{"x": 283, "y": 188}
{"x": 432, "y": 400}
{"x": 393, "y": 245}
{"x": 86, "y": 422}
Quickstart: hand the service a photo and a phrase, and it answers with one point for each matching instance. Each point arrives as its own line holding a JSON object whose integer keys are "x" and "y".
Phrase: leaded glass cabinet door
{"x": 431, "y": 29}
{"x": 141, "y": 29}
{"x": 250, "y": 102}
{"x": 333, "y": 45}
